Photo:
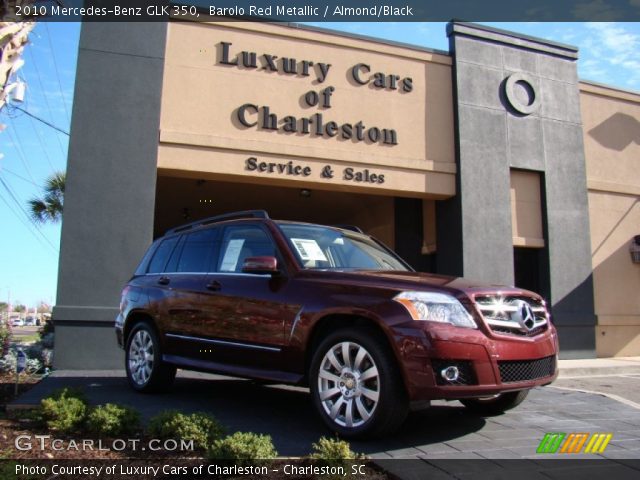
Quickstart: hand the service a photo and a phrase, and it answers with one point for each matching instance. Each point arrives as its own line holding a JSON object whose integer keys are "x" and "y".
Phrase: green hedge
{"x": 200, "y": 427}
{"x": 243, "y": 448}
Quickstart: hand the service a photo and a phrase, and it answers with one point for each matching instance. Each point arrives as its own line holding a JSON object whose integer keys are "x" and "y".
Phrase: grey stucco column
{"x": 110, "y": 191}
{"x": 530, "y": 122}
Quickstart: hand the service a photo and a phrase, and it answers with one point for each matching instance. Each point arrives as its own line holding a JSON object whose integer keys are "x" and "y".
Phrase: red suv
{"x": 333, "y": 309}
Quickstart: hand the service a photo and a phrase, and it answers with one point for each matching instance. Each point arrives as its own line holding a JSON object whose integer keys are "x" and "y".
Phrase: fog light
{"x": 450, "y": 374}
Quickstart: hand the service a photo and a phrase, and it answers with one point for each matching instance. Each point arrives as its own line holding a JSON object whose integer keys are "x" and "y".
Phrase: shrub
{"x": 34, "y": 350}
{"x": 69, "y": 392}
{"x": 46, "y": 340}
{"x": 112, "y": 420}
{"x": 46, "y": 329}
{"x": 335, "y": 453}
{"x": 8, "y": 363}
{"x": 5, "y": 337}
{"x": 64, "y": 411}
{"x": 243, "y": 448}
{"x": 200, "y": 427}
{"x": 332, "y": 449}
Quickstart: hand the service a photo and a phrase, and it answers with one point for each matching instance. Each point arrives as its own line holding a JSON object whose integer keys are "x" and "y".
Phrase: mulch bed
{"x": 70, "y": 451}
{"x": 7, "y": 386}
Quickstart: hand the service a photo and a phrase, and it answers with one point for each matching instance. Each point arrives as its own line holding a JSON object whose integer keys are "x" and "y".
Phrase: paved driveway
{"x": 624, "y": 387}
{"x": 447, "y": 430}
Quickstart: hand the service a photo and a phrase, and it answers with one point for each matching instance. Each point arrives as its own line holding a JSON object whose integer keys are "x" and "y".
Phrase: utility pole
{"x": 8, "y": 305}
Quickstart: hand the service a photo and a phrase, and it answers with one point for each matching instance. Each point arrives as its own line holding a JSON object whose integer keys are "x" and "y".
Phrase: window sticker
{"x": 231, "y": 255}
{"x": 308, "y": 249}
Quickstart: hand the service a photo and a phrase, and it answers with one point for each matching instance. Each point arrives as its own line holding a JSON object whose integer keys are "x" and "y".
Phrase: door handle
{"x": 214, "y": 285}
{"x": 164, "y": 280}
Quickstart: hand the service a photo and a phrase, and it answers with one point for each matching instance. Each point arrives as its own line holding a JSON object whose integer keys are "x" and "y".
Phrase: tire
{"x": 146, "y": 372}
{"x": 350, "y": 405}
{"x": 497, "y": 404}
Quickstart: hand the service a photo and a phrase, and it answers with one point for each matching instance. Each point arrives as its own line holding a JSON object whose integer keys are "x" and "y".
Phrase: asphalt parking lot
{"x": 444, "y": 431}
{"x": 624, "y": 388}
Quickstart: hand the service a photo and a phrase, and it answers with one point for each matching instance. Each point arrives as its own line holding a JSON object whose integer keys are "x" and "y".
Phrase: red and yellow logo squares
{"x": 574, "y": 443}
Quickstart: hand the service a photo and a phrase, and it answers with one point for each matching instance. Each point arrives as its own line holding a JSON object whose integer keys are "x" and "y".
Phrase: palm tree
{"x": 48, "y": 208}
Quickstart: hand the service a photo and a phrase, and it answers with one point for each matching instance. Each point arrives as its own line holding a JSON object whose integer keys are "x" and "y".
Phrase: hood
{"x": 399, "y": 280}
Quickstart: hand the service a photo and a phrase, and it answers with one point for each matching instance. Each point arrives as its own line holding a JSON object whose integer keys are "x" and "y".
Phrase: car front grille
{"x": 522, "y": 370}
{"x": 466, "y": 375}
{"x": 513, "y": 314}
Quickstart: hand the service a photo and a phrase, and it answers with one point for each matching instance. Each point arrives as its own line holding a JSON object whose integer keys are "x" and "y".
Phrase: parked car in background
{"x": 30, "y": 321}
{"x": 333, "y": 309}
{"x": 17, "y": 322}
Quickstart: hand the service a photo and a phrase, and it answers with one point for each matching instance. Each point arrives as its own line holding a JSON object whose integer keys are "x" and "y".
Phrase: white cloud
{"x": 612, "y": 46}
{"x": 593, "y": 70}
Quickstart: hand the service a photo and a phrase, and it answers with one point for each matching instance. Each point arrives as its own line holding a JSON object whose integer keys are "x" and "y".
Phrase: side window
{"x": 144, "y": 263}
{"x": 162, "y": 254}
{"x": 172, "y": 264}
{"x": 198, "y": 250}
{"x": 241, "y": 242}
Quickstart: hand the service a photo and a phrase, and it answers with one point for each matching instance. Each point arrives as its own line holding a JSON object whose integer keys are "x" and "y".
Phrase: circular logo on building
{"x": 521, "y": 92}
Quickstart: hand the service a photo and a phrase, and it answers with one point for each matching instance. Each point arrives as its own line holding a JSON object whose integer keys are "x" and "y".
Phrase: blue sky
{"x": 30, "y": 151}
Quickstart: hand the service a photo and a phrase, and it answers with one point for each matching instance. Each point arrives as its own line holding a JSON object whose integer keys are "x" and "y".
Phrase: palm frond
{"x": 49, "y": 207}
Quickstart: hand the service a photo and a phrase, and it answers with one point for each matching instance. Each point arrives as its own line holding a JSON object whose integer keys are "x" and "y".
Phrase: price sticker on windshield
{"x": 308, "y": 249}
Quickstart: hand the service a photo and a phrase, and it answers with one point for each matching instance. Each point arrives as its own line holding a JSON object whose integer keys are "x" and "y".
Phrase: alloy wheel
{"x": 349, "y": 384}
{"x": 141, "y": 355}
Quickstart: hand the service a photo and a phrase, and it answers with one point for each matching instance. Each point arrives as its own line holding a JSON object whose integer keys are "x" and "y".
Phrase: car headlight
{"x": 435, "y": 307}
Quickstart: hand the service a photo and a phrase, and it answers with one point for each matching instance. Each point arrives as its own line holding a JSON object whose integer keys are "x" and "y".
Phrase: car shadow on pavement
{"x": 285, "y": 413}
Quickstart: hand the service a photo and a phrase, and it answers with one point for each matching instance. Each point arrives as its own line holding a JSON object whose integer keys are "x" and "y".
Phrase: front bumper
{"x": 489, "y": 364}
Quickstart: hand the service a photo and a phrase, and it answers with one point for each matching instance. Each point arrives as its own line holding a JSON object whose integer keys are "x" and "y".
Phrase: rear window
{"x": 144, "y": 263}
{"x": 159, "y": 260}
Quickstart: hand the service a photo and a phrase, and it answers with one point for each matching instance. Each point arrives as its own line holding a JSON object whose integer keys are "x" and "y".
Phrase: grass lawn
{"x": 26, "y": 339}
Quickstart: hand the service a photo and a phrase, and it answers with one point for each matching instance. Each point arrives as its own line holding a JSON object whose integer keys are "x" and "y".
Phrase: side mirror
{"x": 260, "y": 265}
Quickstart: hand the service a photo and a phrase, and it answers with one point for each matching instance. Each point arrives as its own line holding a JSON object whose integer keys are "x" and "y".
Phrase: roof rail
{"x": 219, "y": 218}
{"x": 352, "y": 228}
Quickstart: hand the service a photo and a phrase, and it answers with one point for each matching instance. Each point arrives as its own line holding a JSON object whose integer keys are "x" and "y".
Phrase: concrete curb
{"x": 599, "y": 367}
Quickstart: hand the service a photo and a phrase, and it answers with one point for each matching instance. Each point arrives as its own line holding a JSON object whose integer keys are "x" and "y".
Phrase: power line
{"x": 42, "y": 143}
{"x": 19, "y": 217}
{"x": 40, "y": 120}
{"x": 18, "y": 147}
{"x": 55, "y": 67}
{"x": 4, "y": 169}
{"x": 17, "y": 202}
{"x": 25, "y": 224}
{"x": 46, "y": 100}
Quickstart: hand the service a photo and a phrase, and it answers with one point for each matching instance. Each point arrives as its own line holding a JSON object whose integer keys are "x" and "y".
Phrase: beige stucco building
{"x": 490, "y": 160}
{"x": 611, "y": 126}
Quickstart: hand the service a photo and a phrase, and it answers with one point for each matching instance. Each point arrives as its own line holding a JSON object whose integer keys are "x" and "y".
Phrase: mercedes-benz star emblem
{"x": 524, "y": 315}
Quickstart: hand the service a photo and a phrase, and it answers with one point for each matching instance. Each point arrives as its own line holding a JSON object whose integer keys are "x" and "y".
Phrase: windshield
{"x": 327, "y": 248}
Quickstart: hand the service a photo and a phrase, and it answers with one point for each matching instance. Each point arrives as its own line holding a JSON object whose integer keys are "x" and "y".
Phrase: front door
{"x": 246, "y": 313}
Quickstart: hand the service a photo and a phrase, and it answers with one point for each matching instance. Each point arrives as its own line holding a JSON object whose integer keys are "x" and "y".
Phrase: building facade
{"x": 491, "y": 160}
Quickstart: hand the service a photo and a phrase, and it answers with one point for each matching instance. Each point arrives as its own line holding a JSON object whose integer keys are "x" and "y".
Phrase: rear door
{"x": 184, "y": 276}
{"x": 155, "y": 282}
